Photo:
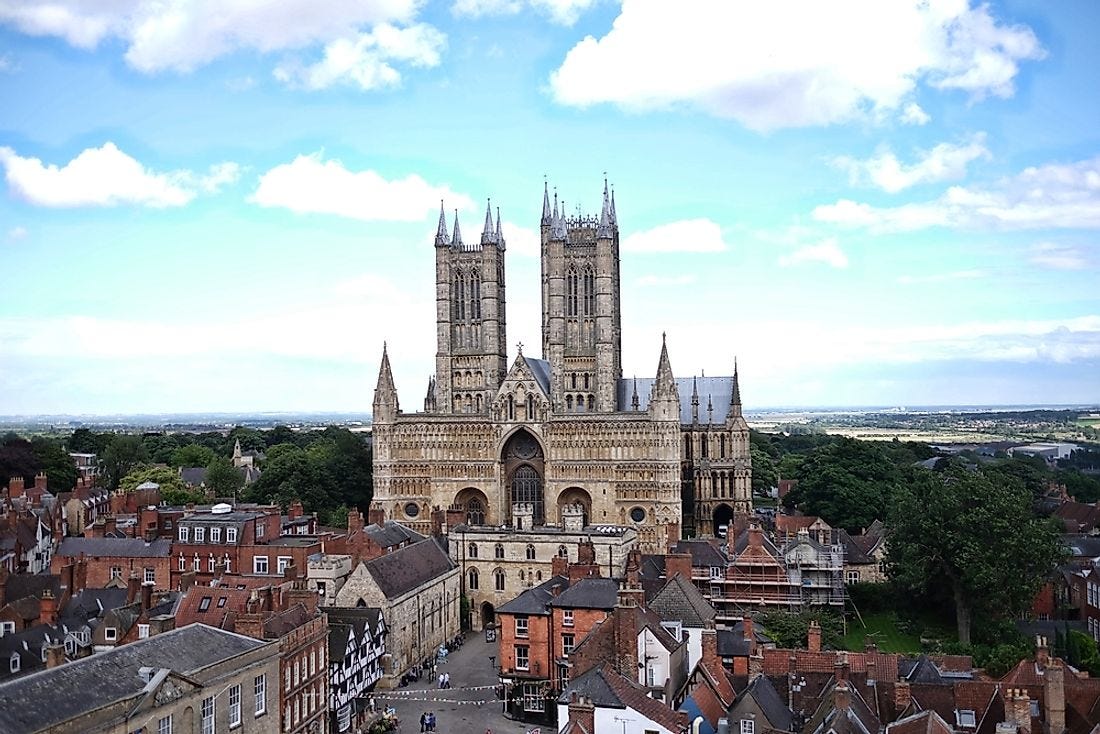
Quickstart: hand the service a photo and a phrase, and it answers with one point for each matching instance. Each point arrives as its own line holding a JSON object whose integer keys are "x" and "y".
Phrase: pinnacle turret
{"x": 442, "y": 239}
{"x": 614, "y": 218}
{"x": 456, "y": 240}
{"x": 545, "y": 204}
{"x": 710, "y": 410}
{"x": 488, "y": 233}
{"x": 604, "y": 229}
{"x": 557, "y": 225}
{"x": 385, "y": 394}
{"x": 500, "y": 233}
{"x": 634, "y": 397}
{"x": 694, "y": 401}
{"x": 735, "y": 393}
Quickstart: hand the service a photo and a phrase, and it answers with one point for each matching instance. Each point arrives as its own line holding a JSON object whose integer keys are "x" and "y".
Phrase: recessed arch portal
{"x": 476, "y": 506}
{"x": 524, "y": 466}
{"x": 723, "y": 519}
{"x": 575, "y": 496}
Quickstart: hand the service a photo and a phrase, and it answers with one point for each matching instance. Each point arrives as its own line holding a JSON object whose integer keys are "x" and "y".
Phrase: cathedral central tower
{"x": 581, "y": 325}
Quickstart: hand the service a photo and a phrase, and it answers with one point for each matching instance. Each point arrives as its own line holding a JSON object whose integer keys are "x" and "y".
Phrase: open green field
{"x": 882, "y": 629}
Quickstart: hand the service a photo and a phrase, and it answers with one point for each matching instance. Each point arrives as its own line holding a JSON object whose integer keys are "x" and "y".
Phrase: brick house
{"x": 112, "y": 560}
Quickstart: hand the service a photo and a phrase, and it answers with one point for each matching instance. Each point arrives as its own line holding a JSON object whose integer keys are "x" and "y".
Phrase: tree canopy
{"x": 972, "y": 537}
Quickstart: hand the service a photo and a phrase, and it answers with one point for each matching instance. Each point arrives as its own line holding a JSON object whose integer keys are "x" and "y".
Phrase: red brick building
{"x": 110, "y": 561}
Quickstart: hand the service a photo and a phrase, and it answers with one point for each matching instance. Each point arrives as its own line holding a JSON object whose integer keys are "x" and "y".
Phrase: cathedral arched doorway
{"x": 575, "y": 496}
{"x": 488, "y": 614}
{"x": 524, "y": 465}
{"x": 473, "y": 502}
{"x": 723, "y": 520}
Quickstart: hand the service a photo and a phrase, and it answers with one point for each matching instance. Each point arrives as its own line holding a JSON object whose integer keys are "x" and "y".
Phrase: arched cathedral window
{"x": 529, "y": 552}
{"x": 458, "y": 298}
{"x": 498, "y": 579}
{"x": 589, "y": 292}
{"x": 472, "y": 550}
{"x": 569, "y": 403}
{"x": 471, "y": 581}
{"x": 511, "y": 408}
{"x": 562, "y": 552}
{"x": 498, "y": 551}
{"x": 475, "y": 515}
{"x": 591, "y": 403}
{"x": 722, "y": 446}
{"x": 530, "y": 407}
{"x": 571, "y": 289}
{"x": 475, "y": 295}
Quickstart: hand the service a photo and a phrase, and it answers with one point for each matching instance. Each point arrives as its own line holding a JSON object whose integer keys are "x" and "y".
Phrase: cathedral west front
{"x": 523, "y": 445}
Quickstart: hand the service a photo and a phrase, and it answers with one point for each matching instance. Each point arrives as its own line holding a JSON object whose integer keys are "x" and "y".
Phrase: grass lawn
{"x": 882, "y": 630}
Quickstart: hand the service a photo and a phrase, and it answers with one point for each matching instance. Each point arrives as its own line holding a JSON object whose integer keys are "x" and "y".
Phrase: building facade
{"x": 564, "y": 430}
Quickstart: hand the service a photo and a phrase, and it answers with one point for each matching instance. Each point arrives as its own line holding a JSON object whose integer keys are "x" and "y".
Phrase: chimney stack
{"x": 133, "y": 587}
{"x": 55, "y": 655}
{"x": 678, "y": 563}
{"x": 559, "y": 565}
{"x": 1055, "y": 695}
{"x": 1042, "y": 652}
{"x": 843, "y": 698}
{"x": 582, "y": 712}
{"x": 376, "y": 515}
{"x": 146, "y": 596}
{"x": 710, "y": 657}
{"x": 47, "y": 609}
{"x": 902, "y": 696}
{"x": 1018, "y": 703}
{"x": 586, "y": 552}
{"x": 295, "y": 510}
{"x": 813, "y": 636}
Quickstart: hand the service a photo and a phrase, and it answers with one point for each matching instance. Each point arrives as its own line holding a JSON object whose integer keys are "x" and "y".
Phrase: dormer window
{"x": 183, "y": 533}
{"x": 200, "y": 535}
{"x": 215, "y": 535}
{"x": 966, "y": 718}
{"x": 231, "y": 535}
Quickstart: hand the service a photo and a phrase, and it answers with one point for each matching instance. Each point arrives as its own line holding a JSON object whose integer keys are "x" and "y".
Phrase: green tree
{"x": 172, "y": 489}
{"x": 60, "y": 470}
{"x": 974, "y": 536}
{"x": 763, "y": 471}
{"x": 223, "y": 479}
{"x": 17, "y": 459}
{"x": 125, "y": 452}
{"x": 87, "y": 441}
{"x": 192, "y": 454}
{"x": 847, "y": 482}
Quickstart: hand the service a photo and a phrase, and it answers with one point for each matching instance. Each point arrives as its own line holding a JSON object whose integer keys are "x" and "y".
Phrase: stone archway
{"x": 524, "y": 466}
{"x": 488, "y": 614}
{"x": 722, "y": 520}
{"x": 574, "y": 496}
{"x": 476, "y": 506}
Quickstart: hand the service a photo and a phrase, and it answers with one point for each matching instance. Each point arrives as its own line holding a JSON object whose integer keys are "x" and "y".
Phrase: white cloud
{"x": 942, "y": 277}
{"x": 365, "y": 60}
{"x": 827, "y": 251}
{"x": 753, "y": 63}
{"x": 1050, "y": 196}
{"x": 185, "y": 35}
{"x": 914, "y": 115}
{"x": 1058, "y": 257}
{"x": 311, "y": 184}
{"x": 15, "y": 234}
{"x": 686, "y": 235}
{"x": 106, "y": 176}
{"x": 662, "y": 281}
{"x": 944, "y": 162}
{"x": 562, "y": 12}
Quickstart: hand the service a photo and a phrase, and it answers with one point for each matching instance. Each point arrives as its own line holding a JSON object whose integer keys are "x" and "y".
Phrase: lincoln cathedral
{"x": 526, "y": 445}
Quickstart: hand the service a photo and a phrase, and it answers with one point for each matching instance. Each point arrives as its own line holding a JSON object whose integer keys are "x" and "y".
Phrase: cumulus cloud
{"x": 751, "y": 63}
{"x": 1058, "y": 257}
{"x": 686, "y": 235}
{"x": 311, "y": 184}
{"x": 827, "y": 251}
{"x": 914, "y": 115}
{"x": 366, "y": 60}
{"x": 182, "y": 36}
{"x": 106, "y": 176}
{"x": 944, "y": 162}
{"x": 562, "y": 12}
{"x": 1050, "y": 196}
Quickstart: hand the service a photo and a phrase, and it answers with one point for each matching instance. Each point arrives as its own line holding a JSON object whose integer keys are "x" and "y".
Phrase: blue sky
{"x": 210, "y": 205}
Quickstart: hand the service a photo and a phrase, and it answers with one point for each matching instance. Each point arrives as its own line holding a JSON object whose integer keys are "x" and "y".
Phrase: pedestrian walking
{"x": 431, "y": 721}
{"x": 446, "y": 680}
{"x": 423, "y": 722}
{"x": 441, "y": 679}
{"x": 372, "y": 705}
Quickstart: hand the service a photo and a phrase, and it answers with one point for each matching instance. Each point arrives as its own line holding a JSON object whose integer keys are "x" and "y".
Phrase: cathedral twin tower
{"x": 521, "y": 446}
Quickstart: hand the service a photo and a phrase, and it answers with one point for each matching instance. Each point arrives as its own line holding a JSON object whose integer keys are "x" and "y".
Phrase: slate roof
{"x": 769, "y": 701}
{"x": 716, "y": 389}
{"x": 53, "y": 696}
{"x": 285, "y": 622}
{"x": 853, "y": 552}
{"x": 27, "y": 644}
{"x": 540, "y": 368}
{"x": 920, "y": 670}
{"x": 1082, "y": 546}
{"x": 926, "y": 722}
{"x": 858, "y": 718}
{"x": 90, "y": 604}
{"x": 193, "y": 476}
{"x": 535, "y": 600}
{"x": 23, "y": 585}
{"x": 406, "y": 568}
{"x": 608, "y": 689}
{"x": 115, "y": 547}
{"x": 391, "y": 533}
{"x": 679, "y": 599}
{"x": 589, "y": 593}
{"x": 703, "y": 553}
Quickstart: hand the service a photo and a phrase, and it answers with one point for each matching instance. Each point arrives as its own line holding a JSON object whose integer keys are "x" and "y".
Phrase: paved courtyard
{"x": 469, "y": 706}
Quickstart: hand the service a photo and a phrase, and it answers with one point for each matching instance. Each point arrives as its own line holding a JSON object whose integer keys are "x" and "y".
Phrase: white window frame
{"x": 716, "y": 572}
{"x": 116, "y": 572}
{"x": 281, "y": 562}
{"x": 143, "y": 631}
{"x": 184, "y": 531}
{"x": 965, "y": 718}
{"x": 522, "y": 626}
{"x": 15, "y": 662}
{"x": 568, "y": 642}
{"x": 256, "y": 563}
{"x": 259, "y": 689}
{"x": 215, "y": 535}
{"x": 526, "y": 665}
{"x": 200, "y": 534}
{"x": 182, "y": 564}
{"x": 110, "y": 634}
{"x": 234, "y": 706}
{"x": 164, "y": 725}
{"x": 231, "y": 535}
{"x": 7, "y": 628}
{"x": 567, "y": 617}
{"x": 150, "y": 575}
{"x": 206, "y": 716}
{"x": 748, "y": 726}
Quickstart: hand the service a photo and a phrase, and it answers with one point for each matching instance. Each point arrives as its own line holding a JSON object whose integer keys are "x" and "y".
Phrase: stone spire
{"x": 710, "y": 410}
{"x": 546, "y": 203}
{"x": 604, "y": 229}
{"x": 614, "y": 218}
{"x": 557, "y": 226}
{"x": 488, "y": 232}
{"x": 735, "y": 393}
{"x": 694, "y": 401}
{"x": 385, "y": 394}
{"x": 456, "y": 240}
{"x": 429, "y": 398}
{"x": 442, "y": 239}
{"x": 664, "y": 400}
{"x": 500, "y": 234}
{"x": 634, "y": 397}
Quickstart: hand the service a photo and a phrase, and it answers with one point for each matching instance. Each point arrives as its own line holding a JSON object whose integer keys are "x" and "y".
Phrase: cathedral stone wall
{"x": 514, "y": 446}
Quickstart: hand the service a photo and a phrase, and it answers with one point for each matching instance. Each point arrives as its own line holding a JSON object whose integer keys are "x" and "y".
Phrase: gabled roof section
{"x": 405, "y": 569}
{"x": 854, "y": 718}
{"x": 589, "y": 593}
{"x": 608, "y": 689}
{"x": 926, "y": 722}
{"x": 535, "y": 600}
{"x": 768, "y": 700}
{"x": 704, "y": 553}
{"x": 528, "y": 369}
{"x": 680, "y": 600}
